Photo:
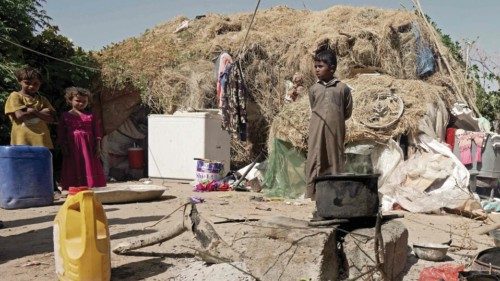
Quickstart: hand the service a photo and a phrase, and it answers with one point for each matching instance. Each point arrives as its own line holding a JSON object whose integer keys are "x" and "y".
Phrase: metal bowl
{"x": 495, "y": 234}
{"x": 430, "y": 251}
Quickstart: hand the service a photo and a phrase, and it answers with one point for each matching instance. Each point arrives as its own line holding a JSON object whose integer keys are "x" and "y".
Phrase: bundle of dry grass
{"x": 175, "y": 70}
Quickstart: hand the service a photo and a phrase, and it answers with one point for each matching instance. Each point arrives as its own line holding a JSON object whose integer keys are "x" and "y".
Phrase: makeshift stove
{"x": 346, "y": 198}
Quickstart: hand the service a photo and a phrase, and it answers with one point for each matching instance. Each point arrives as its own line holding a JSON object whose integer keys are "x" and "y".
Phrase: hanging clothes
{"x": 222, "y": 62}
{"x": 465, "y": 139}
{"x": 233, "y": 101}
{"x": 450, "y": 137}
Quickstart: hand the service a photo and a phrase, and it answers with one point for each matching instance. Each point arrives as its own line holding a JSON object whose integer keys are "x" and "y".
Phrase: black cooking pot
{"x": 478, "y": 276}
{"x": 347, "y": 196}
{"x": 487, "y": 260}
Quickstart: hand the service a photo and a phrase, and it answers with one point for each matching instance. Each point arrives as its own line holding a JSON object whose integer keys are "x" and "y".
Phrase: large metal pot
{"x": 478, "y": 276}
{"x": 347, "y": 196}
{"x": 487, "y": 260}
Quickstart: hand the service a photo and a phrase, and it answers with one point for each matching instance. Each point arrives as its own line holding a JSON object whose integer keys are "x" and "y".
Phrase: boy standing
{"x": 331, "y": 106}
{"x": 29, "y": 112}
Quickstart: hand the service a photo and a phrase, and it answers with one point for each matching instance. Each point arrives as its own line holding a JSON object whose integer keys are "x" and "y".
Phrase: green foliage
{"x": 19, "y": 22}
{"x": 19, "y": 19}
{"x": 488, "y": 103}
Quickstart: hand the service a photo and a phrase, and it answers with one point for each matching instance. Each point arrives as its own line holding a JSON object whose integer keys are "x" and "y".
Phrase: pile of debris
{"x": 403, "y": 79}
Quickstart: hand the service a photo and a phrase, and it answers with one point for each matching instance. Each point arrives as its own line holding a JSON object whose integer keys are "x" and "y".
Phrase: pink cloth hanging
{"x": 465, "y": 144}
{"x": 465, "y": 139}
{"x": 224, "y": 60}
{"x": 479, "y": 138}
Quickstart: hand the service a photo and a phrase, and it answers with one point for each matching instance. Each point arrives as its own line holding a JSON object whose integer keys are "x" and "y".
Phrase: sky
{"x": 93, "y": 24}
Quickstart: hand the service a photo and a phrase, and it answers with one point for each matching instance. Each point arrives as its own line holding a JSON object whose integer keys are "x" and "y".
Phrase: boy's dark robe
{"x": 331, "y": 105}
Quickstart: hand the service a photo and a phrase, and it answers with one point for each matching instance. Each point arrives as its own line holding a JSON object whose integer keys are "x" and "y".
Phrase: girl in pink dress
{"x": 80, "y": 135}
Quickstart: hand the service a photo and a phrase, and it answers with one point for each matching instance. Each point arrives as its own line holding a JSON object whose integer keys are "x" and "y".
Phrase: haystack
{"x": 175, "y": 70}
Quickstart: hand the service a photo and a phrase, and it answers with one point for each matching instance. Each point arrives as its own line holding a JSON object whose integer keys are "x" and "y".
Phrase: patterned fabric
{"x": 222, "y": 62}
{"x": 233, "y": 102}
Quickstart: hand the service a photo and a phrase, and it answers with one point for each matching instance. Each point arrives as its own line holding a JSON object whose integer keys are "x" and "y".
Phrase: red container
{"x": 72, "y": 190}
{"x": 136, "y": 158}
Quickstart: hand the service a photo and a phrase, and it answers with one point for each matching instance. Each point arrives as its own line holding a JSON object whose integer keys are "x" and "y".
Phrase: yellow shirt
{"x": 33, "y": 131}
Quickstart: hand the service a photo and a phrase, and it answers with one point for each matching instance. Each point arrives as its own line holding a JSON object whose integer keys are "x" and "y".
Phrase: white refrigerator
{"x": 175, "y": 140}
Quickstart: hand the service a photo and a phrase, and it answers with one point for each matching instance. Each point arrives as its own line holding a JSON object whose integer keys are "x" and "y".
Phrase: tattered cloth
{"x": 233, "y": 101}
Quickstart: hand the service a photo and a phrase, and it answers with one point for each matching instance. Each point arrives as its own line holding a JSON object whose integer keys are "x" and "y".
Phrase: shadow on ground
{"x": 33, "y": 242}
{"x": 22, "y": 222}
{"x": 139, "y": 270}
{"x": 410, "y": 261}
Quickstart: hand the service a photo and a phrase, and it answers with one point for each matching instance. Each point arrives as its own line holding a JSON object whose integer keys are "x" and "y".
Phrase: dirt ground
{"x": 26, "y": 248}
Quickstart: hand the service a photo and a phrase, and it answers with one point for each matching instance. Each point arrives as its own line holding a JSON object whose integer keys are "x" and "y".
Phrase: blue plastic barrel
{"x": 25, "y": 177}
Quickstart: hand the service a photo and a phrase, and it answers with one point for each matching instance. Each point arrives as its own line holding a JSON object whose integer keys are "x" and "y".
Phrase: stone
{"x": 287, "y": 249}
{"x": 359, "y": 251}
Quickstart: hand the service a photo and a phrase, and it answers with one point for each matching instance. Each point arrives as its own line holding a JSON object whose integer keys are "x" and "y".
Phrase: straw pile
{"x": 175, "y": 70}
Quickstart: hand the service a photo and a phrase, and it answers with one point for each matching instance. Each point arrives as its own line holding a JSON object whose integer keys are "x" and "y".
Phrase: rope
{"x": 49, "y": 56}
{"x": 249, "y": 27}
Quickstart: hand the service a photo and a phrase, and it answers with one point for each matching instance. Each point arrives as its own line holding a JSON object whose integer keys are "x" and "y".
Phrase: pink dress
{"x": 80, "y": 166}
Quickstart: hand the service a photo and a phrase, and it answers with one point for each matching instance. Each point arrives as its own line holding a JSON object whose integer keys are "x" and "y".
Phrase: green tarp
{"x": 285, "y": 174}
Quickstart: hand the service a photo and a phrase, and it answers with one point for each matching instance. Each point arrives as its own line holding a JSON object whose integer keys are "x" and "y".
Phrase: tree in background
{"x": 486, "y": 74}
{"x": 483, "y": 71}
{"x": 24, "y": 22}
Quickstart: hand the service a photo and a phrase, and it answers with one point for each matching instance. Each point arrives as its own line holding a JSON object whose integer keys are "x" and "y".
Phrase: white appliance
{"x": 175, "y": 140}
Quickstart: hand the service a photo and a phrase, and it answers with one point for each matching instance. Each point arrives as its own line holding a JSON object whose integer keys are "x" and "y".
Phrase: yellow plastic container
{"x": 81, "y": 239}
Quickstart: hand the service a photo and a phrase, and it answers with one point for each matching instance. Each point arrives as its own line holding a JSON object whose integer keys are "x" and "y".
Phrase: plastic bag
{"x": 425, "y": 56}
{"x": 358, "y": 158}
{"x": 447, "y": 272}
{"x": 430, "y": 180}
{"x": 285, "y": 174}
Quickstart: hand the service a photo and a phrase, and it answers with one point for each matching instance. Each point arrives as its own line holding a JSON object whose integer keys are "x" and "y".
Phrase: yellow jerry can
{"x": 81, "y": 239}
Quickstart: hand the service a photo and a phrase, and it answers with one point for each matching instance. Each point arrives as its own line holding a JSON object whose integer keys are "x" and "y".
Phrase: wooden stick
{"x": 379, "y": 247}
{"x": 204, "y": 232}
{"x": 235, "y": 221}
{"x": 149, "y": 240}
{"x": 210, "y": 239}
{"x": 155, "y": 238}
{"x": 445, "y": 60}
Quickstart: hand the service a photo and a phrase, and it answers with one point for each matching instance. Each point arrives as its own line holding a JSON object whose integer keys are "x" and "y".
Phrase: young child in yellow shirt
{"x": 29, "y": 112}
